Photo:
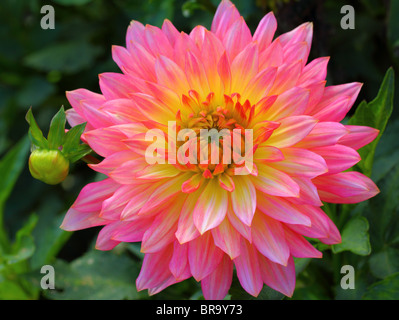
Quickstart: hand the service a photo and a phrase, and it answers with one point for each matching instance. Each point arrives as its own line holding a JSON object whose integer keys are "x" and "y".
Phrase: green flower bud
{"x": 49, "y": 166}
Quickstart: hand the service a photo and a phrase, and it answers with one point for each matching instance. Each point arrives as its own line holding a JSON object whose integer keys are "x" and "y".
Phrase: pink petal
{"x": 135, "y": 34}
{"x": 105, "y": 141}
{"x": 278, "y": 277}
{"x": 84, "y": 213}
{"x": 132, "y": 231}
{"x": 302, "y": 33}
{"x": 291, "y": 131}
{"x": 186, "y": 230}
{"x": 314, "y": 71}
{"x": 281, "y": 210}
{"x": 216, "y": 285}
{"x": 226, "y": 14}
{"x": 259, "y": 86}
{"x": 268, "y": 154}
{"x": 301, "y": 162}
{"x": 240, "y": 227}
{"x": 237, "y": 37}
{"x": 337, "y": 101}
{"x": 170, "y": 31}
{"x": 243, "y": 199}
{"x": 164, "y": 192}
{"x": 113, "y": 206}
{"x": 290, "y": 103}
{"x": 211, "y": 207}
{"x": 203, "y": 256}
{"x": 308, "y": 192}
{"x": 76, "y": 96}
{"x": 227, "y": 238}
{"x": 157, "y": 41}
{"x": 274, "y": 182}
{"x": 170, "y": 75}
{"x": 77, "y": 220}
{"x": 179, "y": 262}
{"x": 92, "y": 195}
{"x": 196, "y": 75}
{"x": 155, "y": 270}
{"x": 287, "y": 77}
{"x": 264, "y": 33}
{"x": 248, "y": 270}
{"x": 104, "y": 240}
{"x": 323, "y": 134}
{"x": 244, "y": 67}
{"x": 345, "y": 187}
{"x": 299, "y": 247}
{"x": 358, "y": 136}
{"x": 269, "y": 238}
{"x": 162, "y": 230}
{"x": 338, "y": 157}
{"x": 272, "y": 56}
{"x": 320, "y": 222}
{"x": 117, "y": 86}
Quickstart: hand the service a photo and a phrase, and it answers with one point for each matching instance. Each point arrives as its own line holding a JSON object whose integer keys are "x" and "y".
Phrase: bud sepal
{"x": 50, "y": 158}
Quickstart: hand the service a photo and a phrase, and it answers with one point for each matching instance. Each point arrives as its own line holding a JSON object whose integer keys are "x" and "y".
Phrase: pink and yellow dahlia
{"x": 202, "y": 220}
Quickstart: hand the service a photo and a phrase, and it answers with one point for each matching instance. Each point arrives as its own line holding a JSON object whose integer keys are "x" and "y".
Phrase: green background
{"x": 36, "y": 68}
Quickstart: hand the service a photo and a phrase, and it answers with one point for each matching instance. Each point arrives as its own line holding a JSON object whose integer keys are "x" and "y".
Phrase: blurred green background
{"x": 36, "y": 68}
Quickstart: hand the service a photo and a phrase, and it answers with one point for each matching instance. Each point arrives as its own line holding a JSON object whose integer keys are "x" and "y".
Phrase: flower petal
{"x": 216, "y": 285}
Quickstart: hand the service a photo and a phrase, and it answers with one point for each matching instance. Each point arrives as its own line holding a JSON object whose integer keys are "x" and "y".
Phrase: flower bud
{"x": 49, "y": 166}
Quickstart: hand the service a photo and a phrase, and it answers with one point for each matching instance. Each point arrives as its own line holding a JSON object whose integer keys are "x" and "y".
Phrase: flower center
{"x": 211, "y": 137}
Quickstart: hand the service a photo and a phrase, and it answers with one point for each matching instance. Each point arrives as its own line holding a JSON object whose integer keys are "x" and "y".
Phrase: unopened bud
{"x": 49, "y": 166}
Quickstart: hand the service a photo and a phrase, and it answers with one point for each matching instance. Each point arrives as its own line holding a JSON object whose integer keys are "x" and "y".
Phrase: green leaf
{"x": 95, "y": 276}
{"x": 23, "y": 247}
{"x": 68, "y": 57}
{"x": 385, "y": 262}
{"x": 10, "y": 168}
{"x": 35, "y": 92}
{"x": 49, "y": 238}
{"x": 10, "y": 290}
{"x": 72, "y": 138}
{"x": 35, "y": 134}
{"x": 387, "y": 289}
{"x": 79, "y": 152}
{"x": 375, "y": 114}
{"x": 72, "y": 148}
{"x": 57, "y": 130}
{"x": 355, "y": 237}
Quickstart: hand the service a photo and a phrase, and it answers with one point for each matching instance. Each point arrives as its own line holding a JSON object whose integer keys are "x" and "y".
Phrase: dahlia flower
{"x": 202, "y": 219}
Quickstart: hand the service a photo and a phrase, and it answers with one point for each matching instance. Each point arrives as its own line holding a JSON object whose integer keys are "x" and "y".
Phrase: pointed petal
{"x": 269, "y": 238}
{"x": 291, "y": 131}
{"x": 225, "y": 15}
{"x": 203, "y": 256}
{"x": 248, "y": 270}
{"x": 338, "y": 158}
{"x": 281, "y": 210}
{"x": 278, "y": 277}
{"x": 275, "y": 182}
{"x": 323, "y": 134}
{"x": 299, "y": 247}
{"x": 211, "y": 207}
{"x": 243, "y": 199}
{"x": 264, "y": 33}
{"x": 186, "y": 230}
{"x": 358, "y": 136}
{"x": 162, "y": 231}
{"x": 345, "y": 187}
{"x": 227, "y": 238}
{"x": 216, "y": 285}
